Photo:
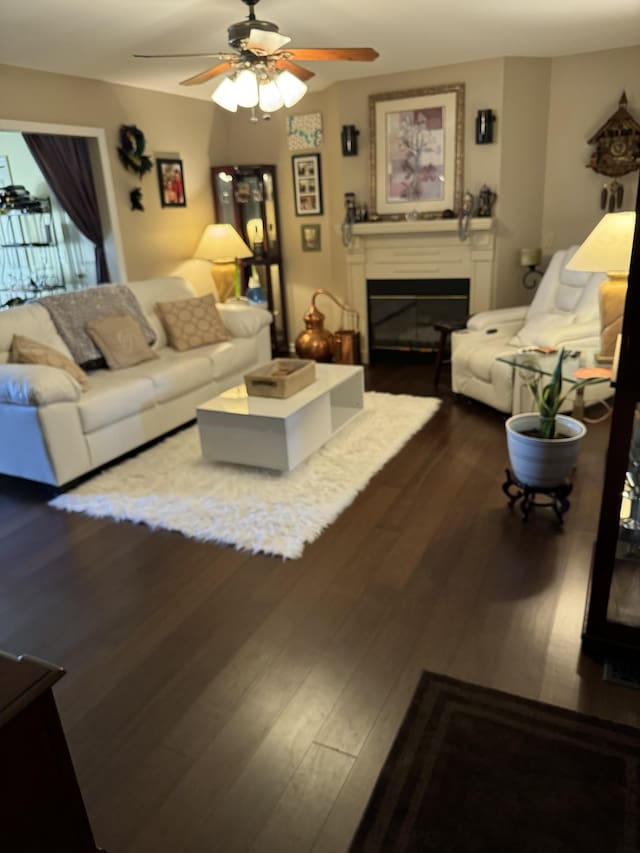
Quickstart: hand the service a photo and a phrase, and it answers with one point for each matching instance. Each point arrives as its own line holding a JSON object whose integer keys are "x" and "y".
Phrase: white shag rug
{"x": 171, "y": 486}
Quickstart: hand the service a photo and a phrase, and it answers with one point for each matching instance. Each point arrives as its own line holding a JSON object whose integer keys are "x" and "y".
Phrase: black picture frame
{"x": 307, "y": 184}
{"x": 171, "y": 182}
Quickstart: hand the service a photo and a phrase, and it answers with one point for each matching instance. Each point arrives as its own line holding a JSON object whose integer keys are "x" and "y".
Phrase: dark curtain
{"x": 64, "y": 162}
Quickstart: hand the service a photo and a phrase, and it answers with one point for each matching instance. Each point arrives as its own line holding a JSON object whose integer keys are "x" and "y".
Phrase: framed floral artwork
{"x": 171, "y": 183}
{"x": 307, "y": 184}
{"x": 417, "y": 150}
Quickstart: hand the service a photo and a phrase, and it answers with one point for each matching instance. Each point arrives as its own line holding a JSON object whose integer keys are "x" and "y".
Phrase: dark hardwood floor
{"x": 217, "y": 701}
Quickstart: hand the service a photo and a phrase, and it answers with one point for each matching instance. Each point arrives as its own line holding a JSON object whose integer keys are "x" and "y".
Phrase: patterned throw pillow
{"x": 25, "y": 350}
{"x": 120, "y": 340}
{"x": 192, "y": 323}
{"x": 72, "y": 311}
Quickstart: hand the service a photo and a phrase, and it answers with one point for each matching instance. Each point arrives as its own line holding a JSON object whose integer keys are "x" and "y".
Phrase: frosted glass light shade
{"x": 225, "y": 95}
{"x": 246, "y": 89}
{"x": 255, "y": 231}
{"x": 530, "y": 257}
{"x": 270, "y": 97}
{"x": 608, "y": 247}
{"x": 221, "y": 243}
{"x": 291, "y": 89}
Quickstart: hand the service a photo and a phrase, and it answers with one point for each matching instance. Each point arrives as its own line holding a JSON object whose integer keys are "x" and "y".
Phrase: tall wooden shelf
{"x": 612, "y": 618}
{"x": 244, "y": 194}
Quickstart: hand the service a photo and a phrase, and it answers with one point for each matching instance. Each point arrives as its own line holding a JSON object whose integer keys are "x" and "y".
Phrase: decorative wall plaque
{"x": 617, "y": 152}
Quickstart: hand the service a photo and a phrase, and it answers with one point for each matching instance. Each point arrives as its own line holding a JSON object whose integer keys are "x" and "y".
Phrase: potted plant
{"x": 543, "y": 445}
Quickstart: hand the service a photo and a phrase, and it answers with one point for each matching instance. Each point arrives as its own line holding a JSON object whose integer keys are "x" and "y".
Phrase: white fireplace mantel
{"x": 420, "y": 250}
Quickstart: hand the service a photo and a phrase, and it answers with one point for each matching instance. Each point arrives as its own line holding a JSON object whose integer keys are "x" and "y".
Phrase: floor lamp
{"x": 608, "y": 249}
{"x": 222, "y": 245}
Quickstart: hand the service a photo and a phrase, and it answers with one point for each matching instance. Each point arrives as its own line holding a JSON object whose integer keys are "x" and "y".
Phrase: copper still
{"x": 320, "y": 344}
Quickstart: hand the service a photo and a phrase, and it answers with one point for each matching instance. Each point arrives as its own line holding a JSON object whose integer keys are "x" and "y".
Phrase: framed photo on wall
{"x": 417, "y": 150}
{"x": 307, "y": 184}
{"x": 171, "y": 183}
{"x": 311, "y": 241}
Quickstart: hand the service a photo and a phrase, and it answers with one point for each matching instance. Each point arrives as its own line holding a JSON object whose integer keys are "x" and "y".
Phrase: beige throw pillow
{"x": 192, "y": 323}
{"x": 120, "y": 340}
{"x": 25, "y": 350}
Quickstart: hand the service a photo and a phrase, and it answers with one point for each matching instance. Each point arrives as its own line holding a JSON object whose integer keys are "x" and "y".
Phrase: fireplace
{"x": 424, "y": 272}
{"x": 402, "y": 314}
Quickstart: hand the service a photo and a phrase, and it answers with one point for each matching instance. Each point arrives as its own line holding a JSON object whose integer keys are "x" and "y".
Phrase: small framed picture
{"x": 171, "y": 183}
{"x": 307, "y": 184}
{"x": 310, "y": 238}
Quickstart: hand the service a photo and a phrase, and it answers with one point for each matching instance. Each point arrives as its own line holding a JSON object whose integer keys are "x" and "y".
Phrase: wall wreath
{"x": 131, "y": 150}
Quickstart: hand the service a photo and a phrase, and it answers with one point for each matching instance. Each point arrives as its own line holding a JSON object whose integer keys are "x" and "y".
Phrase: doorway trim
{"x": 106, "y": 195}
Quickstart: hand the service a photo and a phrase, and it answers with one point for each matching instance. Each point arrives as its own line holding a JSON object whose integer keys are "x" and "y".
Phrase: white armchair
{"x": 564, "y": 312}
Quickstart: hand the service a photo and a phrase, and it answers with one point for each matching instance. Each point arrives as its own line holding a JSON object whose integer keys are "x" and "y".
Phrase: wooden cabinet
{"x": 612, "y": 619}
{"x": 247, "y": 198}
{"x": 41, "y": 807}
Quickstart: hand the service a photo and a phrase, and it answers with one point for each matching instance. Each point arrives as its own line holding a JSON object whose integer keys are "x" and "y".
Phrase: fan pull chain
{"x": 611, "y": 196}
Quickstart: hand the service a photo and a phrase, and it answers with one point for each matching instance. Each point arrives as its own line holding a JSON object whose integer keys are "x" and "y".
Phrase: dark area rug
{"x": 473, "y": 769}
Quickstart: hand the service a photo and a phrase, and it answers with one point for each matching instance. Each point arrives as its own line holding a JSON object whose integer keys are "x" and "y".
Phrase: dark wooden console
{"x": 41, "y": 807}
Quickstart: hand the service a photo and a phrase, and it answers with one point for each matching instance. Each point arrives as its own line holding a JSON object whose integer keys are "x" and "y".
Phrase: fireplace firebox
{"x": 402, "y": 313}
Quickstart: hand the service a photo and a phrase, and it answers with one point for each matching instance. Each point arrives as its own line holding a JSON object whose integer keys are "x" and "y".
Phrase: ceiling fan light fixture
{"x": 225, "y": 95}
{"x": 246, "y": 88}
{"x": 270, "y": 96}
{"x": 265, "y": 41}
{"x": 291, "y": 89}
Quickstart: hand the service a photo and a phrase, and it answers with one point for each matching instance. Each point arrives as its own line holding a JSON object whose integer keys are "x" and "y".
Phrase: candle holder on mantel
{"x": 318, "y": 343}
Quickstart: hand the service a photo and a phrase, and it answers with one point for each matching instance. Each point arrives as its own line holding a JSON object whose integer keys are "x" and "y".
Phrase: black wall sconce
{"x": 484, "y": 127}
{"x": 349, "y": 136}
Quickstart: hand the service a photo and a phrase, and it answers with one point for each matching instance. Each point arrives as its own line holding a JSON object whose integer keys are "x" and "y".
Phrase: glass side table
{"x": 529, "y": 364}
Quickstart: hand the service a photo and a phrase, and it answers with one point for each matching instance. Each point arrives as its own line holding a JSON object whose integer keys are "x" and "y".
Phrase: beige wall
{"x": 157, "y": 239}
{"x": 523, "y": 135}
{"x": 585, "y": 90}
{"x": 546, "y": 109}
{"x": 347, "y": 103}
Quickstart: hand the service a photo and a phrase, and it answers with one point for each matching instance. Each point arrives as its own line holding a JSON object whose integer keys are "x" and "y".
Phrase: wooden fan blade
{"x": 350, "y": 54}
{"x": 297, "y": 70}
{"x": 182, "y": 55}
{"x": 203, "y": 76}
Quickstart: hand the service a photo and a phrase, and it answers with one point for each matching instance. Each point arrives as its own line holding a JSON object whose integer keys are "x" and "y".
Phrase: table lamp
{"x": 222, "y": 245}
{"x": 608, "y": 249}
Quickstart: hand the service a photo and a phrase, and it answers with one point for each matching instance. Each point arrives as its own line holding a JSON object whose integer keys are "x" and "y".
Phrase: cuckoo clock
{"x": 617, "y": 153}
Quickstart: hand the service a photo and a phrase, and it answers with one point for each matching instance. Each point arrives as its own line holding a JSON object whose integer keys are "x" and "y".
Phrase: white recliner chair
{"x": 564, "y": 313}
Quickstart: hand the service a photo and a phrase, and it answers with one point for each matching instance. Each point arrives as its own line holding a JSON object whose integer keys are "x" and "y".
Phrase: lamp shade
{"x": 222, "y": 243}
{"x": 608, "y": 247}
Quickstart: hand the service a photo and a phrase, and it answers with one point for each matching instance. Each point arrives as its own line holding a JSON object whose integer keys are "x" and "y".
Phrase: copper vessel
{"x": 315, "y": 342}
{"x": 319, "y": 343}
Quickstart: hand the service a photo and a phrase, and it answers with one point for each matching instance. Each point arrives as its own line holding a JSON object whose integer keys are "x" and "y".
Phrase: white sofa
{"x": 53, "y": 433}
{"x": 564, "y": 313}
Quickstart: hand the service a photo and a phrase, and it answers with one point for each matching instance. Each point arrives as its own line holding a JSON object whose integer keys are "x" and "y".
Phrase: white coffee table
{"x": 280, "y": 434}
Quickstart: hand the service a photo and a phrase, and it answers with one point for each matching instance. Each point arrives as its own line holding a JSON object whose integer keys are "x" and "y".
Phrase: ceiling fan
{"x": 261, "y": 71}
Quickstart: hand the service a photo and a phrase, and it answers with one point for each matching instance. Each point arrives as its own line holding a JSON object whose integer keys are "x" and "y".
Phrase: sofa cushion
{"x": 233, "y": 356}
{"x": 36, "y": 385}
{"x": 27, "y": 351}
{"x": 175, "y": 373}
{"x": 33, "y": 321}
{"x": 113, "y": 396}
{"x": 120, "y": 340}
{"x": 192, "y": 323}
{"x": 243, "y": 321}
{"x": 536, "y": 331}
{"x": 71, "y": 312}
